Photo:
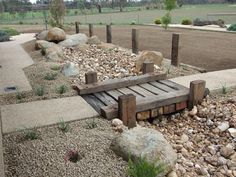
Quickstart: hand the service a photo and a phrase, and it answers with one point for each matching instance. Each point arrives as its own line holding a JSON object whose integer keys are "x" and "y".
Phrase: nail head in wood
{"x": 175, "y": 50}
{"x": 196, "y": 95}
{"x": 109, "y": 36}
{"x": 127, "y": 110}
{"x": 148, "y": 67}
{"x": 76, "y": 27}
{"x": 90, "y": 77}
{"x": 90, "y": 30}
{"x": 135, "y": 42}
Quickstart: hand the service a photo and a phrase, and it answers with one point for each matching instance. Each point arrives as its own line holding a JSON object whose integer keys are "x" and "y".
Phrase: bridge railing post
{"x": 91, "y": 77}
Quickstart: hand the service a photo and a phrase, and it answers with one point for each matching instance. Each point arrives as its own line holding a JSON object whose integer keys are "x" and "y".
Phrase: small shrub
{"x": 224, "y": 88}
{"x": 21, "y": 23}
{"x": 55, "y": 67}
{"x": 31, "y": 134}
{"x": 166, "y": 20}
{"x": 186, "y": 22}
{"x": 43, "y": 51}
{"x": 50, "y": 76}
{"x": 39, "y": 91}
{"x": 76, "y": 12}
{"x": 62, "y": 89}
{"x": 133, "y": 23}
{"x": 10, "y": 31}
{"x": 157, "y": 21}
{"x": 19, "y": 96}
{"x": 72, "y": 156}
{"x": 142, "y": 167}
{"x": 91, "y": 124}
{"x": 63, "y": 126}
{"x": 4, "y": 36}
{"x": 232, "y": 27}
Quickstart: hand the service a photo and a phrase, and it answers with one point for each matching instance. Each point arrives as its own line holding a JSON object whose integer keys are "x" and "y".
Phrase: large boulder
{"x": 56, "y": 35}
{"x": 74, "y": 40}
{"x": 42, "y": 36}
{"x": 41, "y": 44}
{"x": 144, "y": 142}
{"x": 54, "y": 53}
{"x": 70, "y": 69}
{"x": 149, "y": 56}
{"x": 94, "y": 40}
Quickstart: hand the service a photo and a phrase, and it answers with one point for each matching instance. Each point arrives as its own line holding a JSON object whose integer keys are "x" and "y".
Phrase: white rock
{"x": 232, "y": 132}
{"x": 193, "y": 112}
{"x": 70, "y": 69}
{"x": 116, "y": 122}
{"x": 172, "y": 174}
{"x": 223, "y": 126}
{"x": 184, "y": 138}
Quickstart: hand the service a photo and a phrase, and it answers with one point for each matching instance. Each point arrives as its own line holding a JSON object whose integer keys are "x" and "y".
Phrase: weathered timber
{"x": 135, "y": 41}
{"x": 175, "y": 50}
{"x": 105, "y": 98}
{"x": 148, "y": 67}
{"x": 172, "y": 85}
{"x": 163, "y": 87}
{"x": 91, "y": 77}
{"x": 156, "y": 112}
{"x": 152, "y": 89}
{"x": 126, "y": 91}
{"x": 148, "y": 103}
{"x": 109, "y": 36}
{"x": 197, "y": 89}
{"x": 127, "y": 110}
{"x": 141, "y": 91}
{"x": 181, "y": 105}
{"x": 91, "y": 30}
{"x": 94, "y": 102}
{"x": 118, "y": 83}
{"x": 114, "y": 94}
{"x": 76, "y": 27}
{"x": 144, "y": 115}
{"x": 169, "y": 109}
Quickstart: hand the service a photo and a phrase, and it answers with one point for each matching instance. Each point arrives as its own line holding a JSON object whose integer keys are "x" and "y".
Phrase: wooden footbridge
{"x": 141, "y": 97}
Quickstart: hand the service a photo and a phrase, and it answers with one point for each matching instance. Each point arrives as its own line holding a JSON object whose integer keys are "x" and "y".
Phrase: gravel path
{"x": 45, "y": 156}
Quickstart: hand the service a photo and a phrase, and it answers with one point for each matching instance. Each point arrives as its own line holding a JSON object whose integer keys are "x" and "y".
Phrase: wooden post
{"x": 76, "y": 27}
{"x": 197, "y": 89}
{"x": 90, "y": 30}
{"x": 91, "y": 77}
{"x": 135, "y": 44}
{"x": 109, "y": 37}
{"x": 148, "y": 67}
{"x": 175, "y": 50}
{"x": 127, "y": 110}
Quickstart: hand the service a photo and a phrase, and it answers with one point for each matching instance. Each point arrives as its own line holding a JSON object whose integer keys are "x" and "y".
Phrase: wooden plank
{"x": 142, "y": 91}
{"x": 152, "y": 89}
{"x": 127, "y": 110}
{"x": 129, "y": 91}
{"x": 181, "y": 105}
{"x": 114, "y": 94}
{"x": 161, "y": 86}
{"x": 105, "y": 98}
{"x": 172, "y": 84}
{"x": 156, "y": 112}
{"x": 169, "y": 109}
{"x": 94, "y": 102}
{"x": 144, "y": 115}
{"x": 118, "y": 83}
{"x": 150, "y": 103}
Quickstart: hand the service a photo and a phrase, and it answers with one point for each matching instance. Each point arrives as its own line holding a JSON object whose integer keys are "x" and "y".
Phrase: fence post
{"x": 90, "y": 30}
{"x": 148, "y": 67}
{"x": 91, "y": 78}
{"x": 109, "y": 36}
{"x": 197, "y": 89}
{"x": 76, "y": 27}
{"x": 135, "y": 43}
{"x": 175, "y": 50}
{"x": 127, "y": 110}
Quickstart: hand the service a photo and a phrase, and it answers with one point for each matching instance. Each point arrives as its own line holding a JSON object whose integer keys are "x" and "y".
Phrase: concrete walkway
{"x": 13, "y": 59}
{"x": 40, "y": 113}
{"x": 214, "y": 80}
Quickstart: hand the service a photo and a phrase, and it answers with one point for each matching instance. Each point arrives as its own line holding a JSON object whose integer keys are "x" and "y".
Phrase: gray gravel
{"x": 45, "y": 156}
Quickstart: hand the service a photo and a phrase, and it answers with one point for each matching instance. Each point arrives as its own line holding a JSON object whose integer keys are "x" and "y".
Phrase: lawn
{"x": 139, "y": 15}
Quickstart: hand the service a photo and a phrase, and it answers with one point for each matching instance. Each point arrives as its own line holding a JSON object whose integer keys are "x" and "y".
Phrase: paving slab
{"x": 12, "y": 61}
{"x": 47, "y": 112}
{"x": 214, "y": 80}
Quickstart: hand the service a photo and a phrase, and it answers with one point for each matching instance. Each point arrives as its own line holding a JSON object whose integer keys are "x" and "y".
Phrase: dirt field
{"x": 209, "y": 50}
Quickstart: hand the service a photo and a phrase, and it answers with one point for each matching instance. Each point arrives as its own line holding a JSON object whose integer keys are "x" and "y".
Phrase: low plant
{"x": 141, "y": 167}
{"x": 166, "y": 20}
{"x": 133, "y": 23}
{"x": 19, "y": 96}
{"x": 55, "y": 67}
{"x": 232, "y": 27}
{"x": 91, "y": 124}
{"x": 50, "y": 76}
{"x": 4, "y": 36}
{"x": 39, "y": 91}
{"x": 10, "y": 31}
{"x": 72, "y": 156}
{"x": 186, "y": 22}
{"x": 31, "y": 134}
{"x": 62, "y": 89}
{"x": 157, "y": 21}
{"x": 63, "y": 126}
{"x": 224, "y": 88}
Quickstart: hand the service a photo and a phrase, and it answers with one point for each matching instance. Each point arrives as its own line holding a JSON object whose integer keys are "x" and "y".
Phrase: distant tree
{"x": 57, "y": 10}
{"x": 170, "y": 4}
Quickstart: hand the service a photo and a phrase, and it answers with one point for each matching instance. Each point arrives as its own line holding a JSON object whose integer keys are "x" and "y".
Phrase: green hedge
{"x": 186, "y": 22}
{"x": 157, "y": 21}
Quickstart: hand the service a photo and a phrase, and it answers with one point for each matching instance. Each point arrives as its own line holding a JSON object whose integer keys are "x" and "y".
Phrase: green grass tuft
{"x": 50, "y": 76}
{"x": 63, "y": 126}
{"x": 39, "y": 91}
{"x": 31, "y": 134}
{"x": 62, "y": 89}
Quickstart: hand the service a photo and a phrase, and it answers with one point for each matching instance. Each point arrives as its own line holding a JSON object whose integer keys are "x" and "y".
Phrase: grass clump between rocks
{"x": 224, "y": 88}
{"x": 141, "y": 167}
{"x": 55, "y": 67}
{"x": 31, "y": 134}
{"x": 91, "y": 124}
{"x": 62, "y": 89}
{"x": 63, "y": 126}
{"x": 50, "y": 76}
{"x": 39, "y": 91}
